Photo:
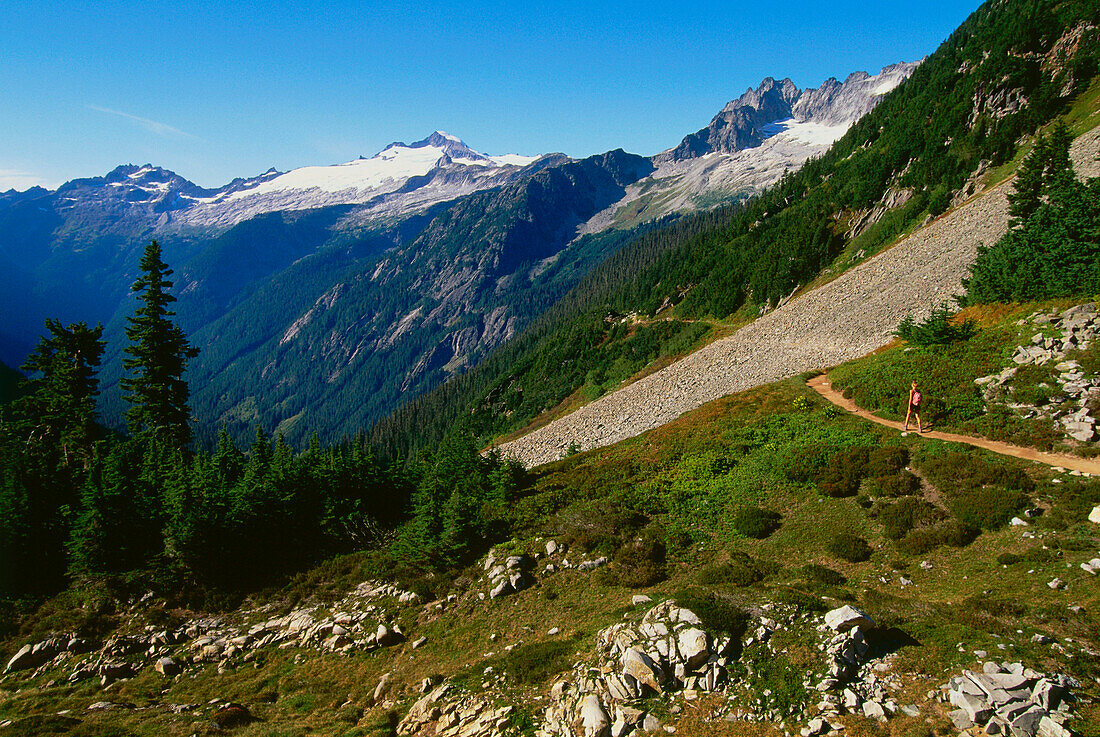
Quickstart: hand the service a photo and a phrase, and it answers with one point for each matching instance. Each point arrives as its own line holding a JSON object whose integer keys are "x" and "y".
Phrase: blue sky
{"x": 214, "y": 91}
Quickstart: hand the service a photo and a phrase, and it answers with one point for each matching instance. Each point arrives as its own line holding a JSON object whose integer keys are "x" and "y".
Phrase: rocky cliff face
{"x": 755, "y": 116}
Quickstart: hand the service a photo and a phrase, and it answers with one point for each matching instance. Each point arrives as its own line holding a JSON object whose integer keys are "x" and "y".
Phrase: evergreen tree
{"x": 57, "y": 408}
{"x": 1028, "y": 187}
{"x": 159, "y": 352}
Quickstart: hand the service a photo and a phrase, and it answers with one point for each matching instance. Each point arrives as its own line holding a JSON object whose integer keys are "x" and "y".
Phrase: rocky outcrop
{"x": 1075, "y": 394}
{"x": 1009, "y": 699}
{"x": 364, "y": 621}
{"x": 508, "y": 573}
{"x": 448, "y": 712}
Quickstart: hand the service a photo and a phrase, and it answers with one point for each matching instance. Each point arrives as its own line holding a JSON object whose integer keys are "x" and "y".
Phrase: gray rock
{"x": 694, "y": 646}
{"x": 25, "y": 658}
{"x": 167, "y": 667}
{"x": 1026, "y": 724}
{"x": 960, "y": 719}
{"x": 847, "y": 617}
{"x": 641, "y": 667}
{"x": 593, "y": 717}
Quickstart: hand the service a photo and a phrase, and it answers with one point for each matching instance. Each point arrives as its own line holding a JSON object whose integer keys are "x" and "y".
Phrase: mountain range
{"x": 324, "y": 297}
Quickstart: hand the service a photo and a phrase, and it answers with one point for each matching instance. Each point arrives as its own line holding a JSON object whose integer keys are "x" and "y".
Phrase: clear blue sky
{"x": 213, "y": 91}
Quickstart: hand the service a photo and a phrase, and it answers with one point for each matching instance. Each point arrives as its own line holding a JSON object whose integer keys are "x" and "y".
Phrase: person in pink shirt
{"x": 914, "y": 406}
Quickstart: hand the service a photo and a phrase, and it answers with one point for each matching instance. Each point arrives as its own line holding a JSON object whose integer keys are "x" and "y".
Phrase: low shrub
{"x": 538, "y": 661}
{"x": 907, "y": 513}
{"x": 842, "y": 477}
{"x": 900, "y": 484}
{"x": 756, "y": 522}
{"x": 733, "y": 573}
{"x": 805, "y": 463}
{"x": 887, "y": 461}
{"x": 849, "y": 547}
{"x": 805, "y": 602}
{"x": 950, "y": 532}
{"x": 816, "y": 573}
{"x": 988, "y": 508}
{"x": 716, "y": 614}
{"x": 641, "y": 562}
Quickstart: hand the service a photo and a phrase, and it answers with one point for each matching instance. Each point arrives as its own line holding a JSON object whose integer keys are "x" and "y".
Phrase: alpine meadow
{"x": 438, "y": 442}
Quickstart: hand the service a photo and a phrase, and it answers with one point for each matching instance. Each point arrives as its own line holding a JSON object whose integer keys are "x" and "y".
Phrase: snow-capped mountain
{"x": 752, "y": 142}
{"x": 399, "y": 179}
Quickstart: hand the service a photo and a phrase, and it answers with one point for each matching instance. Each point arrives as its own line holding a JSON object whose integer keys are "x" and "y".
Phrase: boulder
{"x": 552, "y": 547}
{"x": 642, "y": 668}
{"x": 694, "y": 646}
{"x": 25, "y": 658}
{"x": 1094, "y": 515}
{"x": 847, "y": 617}
{"x": 639, "y": 599}
{"x": 385, "y": 637}
{"x": 593, "y": 717}
{"x": 167, "y": 667}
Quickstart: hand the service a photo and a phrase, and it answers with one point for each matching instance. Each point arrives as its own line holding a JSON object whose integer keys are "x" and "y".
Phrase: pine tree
{"x": 159, "y": 353}
{"x": 1025, "y": 200}
{"x": 58, "y": 406}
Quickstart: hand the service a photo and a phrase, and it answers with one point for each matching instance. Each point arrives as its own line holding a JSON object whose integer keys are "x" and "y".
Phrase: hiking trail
{"x": 824, "y": 387}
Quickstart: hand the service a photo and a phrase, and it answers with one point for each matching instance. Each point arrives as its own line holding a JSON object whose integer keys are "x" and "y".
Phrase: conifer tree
{"x": 159, "y": 352}
{"x": 59, "y": 404}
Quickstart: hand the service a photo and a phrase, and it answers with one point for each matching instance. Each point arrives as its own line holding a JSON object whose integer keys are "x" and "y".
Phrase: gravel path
{"x": 844, "y": 319}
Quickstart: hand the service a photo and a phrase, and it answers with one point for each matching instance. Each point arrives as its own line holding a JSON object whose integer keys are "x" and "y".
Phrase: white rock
{"x": 593, "y": 717}
{"x": 694, "y": 646}
{"x": 1094, "y": 515}
{"x": 847, "y": 617}
{"x": 639, "y": 599}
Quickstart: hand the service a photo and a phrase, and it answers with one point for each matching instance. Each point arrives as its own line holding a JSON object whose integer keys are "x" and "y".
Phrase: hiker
{"x": 914, "y": 407}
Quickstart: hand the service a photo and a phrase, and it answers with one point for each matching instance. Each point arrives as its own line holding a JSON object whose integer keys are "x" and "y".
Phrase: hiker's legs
{"x": 919, "y": 428}
{"x": 907, "y": 413}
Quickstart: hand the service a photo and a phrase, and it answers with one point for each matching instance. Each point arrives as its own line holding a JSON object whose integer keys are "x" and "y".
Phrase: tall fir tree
{"x": 159, "y": 352}
{"x": 57, "y": 408}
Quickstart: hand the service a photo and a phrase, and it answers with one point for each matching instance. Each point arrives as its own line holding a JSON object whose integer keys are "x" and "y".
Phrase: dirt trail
{"x": 822, "y": 386}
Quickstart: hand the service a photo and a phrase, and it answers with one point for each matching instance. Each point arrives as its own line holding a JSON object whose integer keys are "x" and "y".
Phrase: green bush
{"x": 900, "y": 484}
{"x": 756, "y": 522}
{"x": 716, "y": 614}
{"x": 936, "y": 329}
{"x": 887, "y": 461}
{"x": 816, "y": 573}
{"x": 901, "y": 516}
{"x": 988, "y": 508}
{"x": 733, "y": 573}
{"x": 950, "y": 532}
{"x": 849, "y": 547}
{"x": 805, "y": 463}
{"x": 845, "y": 472}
